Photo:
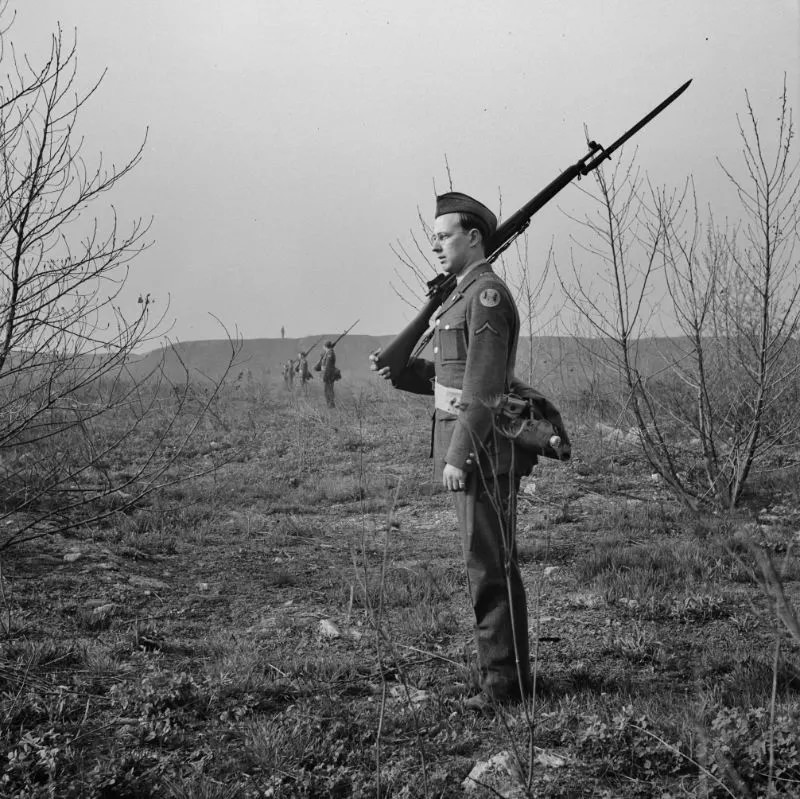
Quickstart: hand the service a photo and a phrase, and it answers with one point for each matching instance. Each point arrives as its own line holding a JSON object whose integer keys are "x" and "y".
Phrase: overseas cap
{"x": 454, "y": 202}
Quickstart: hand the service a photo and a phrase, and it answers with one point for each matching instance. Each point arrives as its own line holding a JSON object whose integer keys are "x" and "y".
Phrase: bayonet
{"x": 398, "y": 352}
{"x": 508, "y": 230}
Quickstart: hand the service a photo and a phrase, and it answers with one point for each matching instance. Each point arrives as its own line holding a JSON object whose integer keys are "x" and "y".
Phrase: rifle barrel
{"x": 346, "y": 332}
{"x": 398, "y": 352}
{"x": 508, "y": 230}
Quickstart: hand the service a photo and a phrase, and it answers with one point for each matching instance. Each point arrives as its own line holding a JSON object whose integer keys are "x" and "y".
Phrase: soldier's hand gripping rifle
{"x": 397, "y": 354}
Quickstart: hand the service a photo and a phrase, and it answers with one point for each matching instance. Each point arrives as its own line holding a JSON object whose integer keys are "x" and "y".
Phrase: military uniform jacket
{"x": 327, "y": 364}
{"x": 475, "y": 347}
{"x": 301, "y": 368}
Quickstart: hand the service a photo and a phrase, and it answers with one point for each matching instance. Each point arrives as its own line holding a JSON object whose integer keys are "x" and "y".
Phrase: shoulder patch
{"x": 490, "y": 298}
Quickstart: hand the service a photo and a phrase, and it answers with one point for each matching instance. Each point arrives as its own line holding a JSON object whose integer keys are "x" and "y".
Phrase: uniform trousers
{"x": 329, "y": 397}
{"x": 486, "y": 513}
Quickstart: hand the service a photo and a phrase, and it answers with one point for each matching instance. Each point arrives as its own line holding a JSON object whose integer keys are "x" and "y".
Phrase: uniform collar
{"x": 479, "y": 268}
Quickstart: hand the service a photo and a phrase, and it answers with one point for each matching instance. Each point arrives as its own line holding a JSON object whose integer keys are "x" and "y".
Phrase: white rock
{"x": 549, "y": 760}
{"x": 418, "y": 696}
{"x": 500, "y": 774}
{"x": 609, "y": 434}
{"x": 548, "y": 570}
{"x": 71, "y": 557}
{"x": 632, "y": 436}
{"x": 415, "y": 695}
{"x": 329, "y": 629}
{"x": 585, "y": 600}
{"x": 147, "y": 582}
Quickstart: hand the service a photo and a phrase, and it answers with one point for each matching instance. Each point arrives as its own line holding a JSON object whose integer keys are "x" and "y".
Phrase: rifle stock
{"x": 398, "y": 352}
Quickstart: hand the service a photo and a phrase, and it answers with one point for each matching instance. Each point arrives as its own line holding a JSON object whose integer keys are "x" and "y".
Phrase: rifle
{"x": 397, "y": 354}
{"x": 318, "y": 367}
{"x": 345, "y": 333}
{"x": 308, "y": 351}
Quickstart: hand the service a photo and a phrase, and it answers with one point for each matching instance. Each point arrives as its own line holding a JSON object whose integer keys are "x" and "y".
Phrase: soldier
{"x": 288, "y": 374}
{"x": 301, "y": 369}
{"x": 475, "y": 344}
{"x": 330, "y": 374}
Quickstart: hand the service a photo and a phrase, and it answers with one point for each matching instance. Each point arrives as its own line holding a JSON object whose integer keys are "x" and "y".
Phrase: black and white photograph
{"x": 399, "y": 400}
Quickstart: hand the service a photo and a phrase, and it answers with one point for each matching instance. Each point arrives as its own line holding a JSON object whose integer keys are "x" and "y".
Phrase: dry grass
{"x": 296, "y": 624}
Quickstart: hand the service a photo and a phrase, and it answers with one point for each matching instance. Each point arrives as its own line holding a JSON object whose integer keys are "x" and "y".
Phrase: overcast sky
{"x": 291, "y": 142}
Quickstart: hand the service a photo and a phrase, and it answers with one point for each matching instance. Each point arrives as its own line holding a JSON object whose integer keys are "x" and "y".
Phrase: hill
{"x": 261, "y": 358}
{"x": 558, "y": 364}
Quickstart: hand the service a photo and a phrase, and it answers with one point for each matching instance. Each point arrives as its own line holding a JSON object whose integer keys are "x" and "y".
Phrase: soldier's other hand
{"x": 453, "y": 478}
{"x": 383, "y": 371}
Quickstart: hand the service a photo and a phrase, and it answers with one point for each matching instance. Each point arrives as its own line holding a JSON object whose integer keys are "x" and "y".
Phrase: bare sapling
{"x": 720, "y": 397}
{"x": 69, "y": 328}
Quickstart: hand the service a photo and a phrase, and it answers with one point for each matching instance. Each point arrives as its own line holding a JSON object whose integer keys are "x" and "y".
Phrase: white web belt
{"x": 447, "y": 399}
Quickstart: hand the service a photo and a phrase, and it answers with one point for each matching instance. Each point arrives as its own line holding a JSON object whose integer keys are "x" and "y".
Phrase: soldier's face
{"x": 451, "y": 244}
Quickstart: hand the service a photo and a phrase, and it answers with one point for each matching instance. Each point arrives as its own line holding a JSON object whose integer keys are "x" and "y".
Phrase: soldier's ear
{"x": 474, "y": 236}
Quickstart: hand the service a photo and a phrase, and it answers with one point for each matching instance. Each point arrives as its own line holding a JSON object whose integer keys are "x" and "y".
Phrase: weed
{"x": 309, "y": 751}
{"x": 655, "y": 630}
{"x": 621, "y": 745}
{"x": 743, "y": 678}
{"x": 199, "y": 786}
{"x": 636, "y": 643}
{"x": 747, "y": 742}
{"x": 418, "y": 585}
{"x": 698, "y": 608}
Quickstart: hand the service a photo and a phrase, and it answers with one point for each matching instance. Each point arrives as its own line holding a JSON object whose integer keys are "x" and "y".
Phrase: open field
{"x": 296, "y": 623}
{"x": 560, "y": 363}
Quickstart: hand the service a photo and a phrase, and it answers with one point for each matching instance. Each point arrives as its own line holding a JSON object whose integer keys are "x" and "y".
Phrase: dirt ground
{"x": 296, "y": 624}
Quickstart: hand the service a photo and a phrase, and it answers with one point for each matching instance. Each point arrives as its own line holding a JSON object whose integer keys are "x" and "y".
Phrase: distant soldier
{"x": 288, "y": 374}
{"x": 330, "y": 374}
{"x": 283, "y": 332}
{"x": 302, "y": 371}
